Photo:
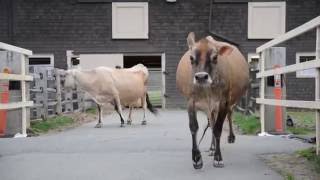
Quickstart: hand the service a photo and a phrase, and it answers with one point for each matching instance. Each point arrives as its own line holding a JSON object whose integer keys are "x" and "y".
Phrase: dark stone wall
{"x": 54, "y": 26}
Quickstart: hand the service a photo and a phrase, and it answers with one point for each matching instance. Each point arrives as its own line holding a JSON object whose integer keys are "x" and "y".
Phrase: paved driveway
{"x": 160, "y": 150}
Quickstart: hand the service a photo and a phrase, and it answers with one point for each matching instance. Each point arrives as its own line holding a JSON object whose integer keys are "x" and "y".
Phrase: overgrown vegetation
{"x": 247, "y": 124}
{"x": 310, "y": 155}
{"x": 50, "y": 124}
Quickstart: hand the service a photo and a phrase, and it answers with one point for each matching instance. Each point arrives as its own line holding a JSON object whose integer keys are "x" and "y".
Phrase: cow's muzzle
{"x": 202, "y": 78}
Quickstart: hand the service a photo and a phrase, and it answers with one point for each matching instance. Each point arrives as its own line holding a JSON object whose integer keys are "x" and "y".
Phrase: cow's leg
{"x": 118, "y": 108}
{"x": 193, "y": 125}
{"x": 218, "y": 162}
{"x": 213, "y": 141}
{"x": 231, "y": 137}
{"x": 144, "y": 105}
{"x": 129, "y": 121}
{"x": 99, "y": 124}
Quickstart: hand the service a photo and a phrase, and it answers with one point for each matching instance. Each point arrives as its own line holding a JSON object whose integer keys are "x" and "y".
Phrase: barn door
{"x": 89, "y": 61}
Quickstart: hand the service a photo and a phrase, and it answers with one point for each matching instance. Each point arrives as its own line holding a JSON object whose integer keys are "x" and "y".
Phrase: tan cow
{"x": 115, "y": 86}
{"x": 212, "y": 75}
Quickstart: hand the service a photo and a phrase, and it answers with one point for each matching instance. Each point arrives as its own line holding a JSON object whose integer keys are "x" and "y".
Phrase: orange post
{"x": 278, "y": 110}
{"x": 4, "y": 98}
{"x": 277, "y": 91}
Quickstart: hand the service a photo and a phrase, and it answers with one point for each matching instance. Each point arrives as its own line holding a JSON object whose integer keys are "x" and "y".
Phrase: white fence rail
{"x": 314, "y": 23}
{"x": 22, "y": 77}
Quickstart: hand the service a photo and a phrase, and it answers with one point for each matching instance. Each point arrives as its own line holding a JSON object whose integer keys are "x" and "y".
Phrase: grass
{"x": 299, "y": 130}
{"x": 91, "y": 110}
{"x": 289, "y": 176}
{"x": 247, "y": 124}
{"x": 50, "y": 124}
{"x": 310, "y": 155}
{"x": 304, "y": 122}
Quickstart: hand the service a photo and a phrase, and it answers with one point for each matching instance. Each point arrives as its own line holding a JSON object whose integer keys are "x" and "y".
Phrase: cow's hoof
{"x": 198, "y": 164}
{"x": 129, "y": 122}
{"x": 218, "y": 164}
{"x": 122, "y": 125}
{"x": 231, "y": 139}
{"x": 99, "y": 125}
{"x": 144, "y": 122}
{"x": 197, "y": 159}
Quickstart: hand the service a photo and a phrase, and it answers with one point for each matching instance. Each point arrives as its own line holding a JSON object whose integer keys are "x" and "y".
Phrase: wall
{"x": 54, "y": 26}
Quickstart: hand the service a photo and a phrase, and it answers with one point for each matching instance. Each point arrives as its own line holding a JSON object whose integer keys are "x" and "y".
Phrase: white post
{"x": 317, "y": 91}
{"x": 24, "y": 95}
{"x": 262, "y": 92}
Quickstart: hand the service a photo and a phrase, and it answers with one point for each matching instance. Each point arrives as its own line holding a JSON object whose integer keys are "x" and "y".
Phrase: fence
{"x": 49, "y": 96}
{"x": 23, "y": 78}
{"x": 314, "y": 23}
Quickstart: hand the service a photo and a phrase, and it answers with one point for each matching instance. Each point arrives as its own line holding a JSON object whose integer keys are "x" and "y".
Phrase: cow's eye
{"x": 214, "y": 59}
{"x": 192, "y": 59}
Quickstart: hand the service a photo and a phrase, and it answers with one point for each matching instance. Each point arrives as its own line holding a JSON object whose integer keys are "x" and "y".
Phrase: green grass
{"x": 310, "y": 155}
{"x": 91, "y": 110}
{"x": 247, "y": 124}
{"x": 299, "y": 130}
{"x": 50, "y": 124}
{"x": 289, "y": 176}
{"x": 303, "y": 118}
{"x": 304, "y": 122}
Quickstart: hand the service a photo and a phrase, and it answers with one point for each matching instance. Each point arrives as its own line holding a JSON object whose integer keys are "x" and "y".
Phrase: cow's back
{"x": 238, "y": 74}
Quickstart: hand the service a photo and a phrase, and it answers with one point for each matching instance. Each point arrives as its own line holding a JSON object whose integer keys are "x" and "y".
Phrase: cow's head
{"x": 204, "y": 56}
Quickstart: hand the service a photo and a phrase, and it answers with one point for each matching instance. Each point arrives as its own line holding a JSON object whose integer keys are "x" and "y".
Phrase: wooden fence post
{"x": 262, "y": 92}
{"x": 317, "y": 91}
{"x": 58, "y": 92}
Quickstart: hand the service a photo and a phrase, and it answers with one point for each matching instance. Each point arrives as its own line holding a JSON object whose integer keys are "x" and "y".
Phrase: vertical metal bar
{"x": 23, "y": 95}
{"x": 317, "y": 91}
{"x": 262, "y": 92}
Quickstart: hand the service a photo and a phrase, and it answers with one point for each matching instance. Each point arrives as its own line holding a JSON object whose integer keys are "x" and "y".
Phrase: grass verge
{"x": 304, "y": 122}
{"x": 50, "y": 124}
{"x": 246, "y": 124}
{"x": 91, "y": 110}
{"x": 310, "y": 155}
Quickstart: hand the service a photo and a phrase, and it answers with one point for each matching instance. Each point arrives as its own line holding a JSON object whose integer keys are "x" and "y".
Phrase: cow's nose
{"x": 201, "y": 76}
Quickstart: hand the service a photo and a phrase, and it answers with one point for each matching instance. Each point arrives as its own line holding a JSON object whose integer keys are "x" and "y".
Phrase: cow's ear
{"x": 225, "y": 50}
{"x": 211, "y": 39}
{"x": 191, "y": 40}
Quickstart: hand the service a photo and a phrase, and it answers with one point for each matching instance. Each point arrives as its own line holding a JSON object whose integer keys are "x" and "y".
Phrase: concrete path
{"x": 160, "y": 150}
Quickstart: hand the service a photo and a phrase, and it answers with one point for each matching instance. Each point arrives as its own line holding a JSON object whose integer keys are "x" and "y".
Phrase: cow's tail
{"x": 149, "y": 105}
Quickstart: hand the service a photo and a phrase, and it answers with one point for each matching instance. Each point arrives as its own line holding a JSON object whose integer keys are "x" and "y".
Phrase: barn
{"x": 64, "y": 33}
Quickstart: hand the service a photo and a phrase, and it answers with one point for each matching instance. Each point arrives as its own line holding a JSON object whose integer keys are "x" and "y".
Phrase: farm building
{"x": 99, "y": 32}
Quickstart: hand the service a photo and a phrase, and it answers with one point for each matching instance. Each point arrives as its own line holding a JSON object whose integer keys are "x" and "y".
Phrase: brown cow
{"x": 212, "y": 75}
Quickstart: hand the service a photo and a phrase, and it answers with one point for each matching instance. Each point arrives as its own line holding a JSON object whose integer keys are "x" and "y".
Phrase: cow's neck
{"x": 83, "y": 79}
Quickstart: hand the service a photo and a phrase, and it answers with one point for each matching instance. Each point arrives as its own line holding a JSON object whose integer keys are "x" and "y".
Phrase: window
{"x": 41, "y": 60}
{"x": 130, "y": 20}
{"x": 266, "y": 20}
{"x": 303, "y": 57}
